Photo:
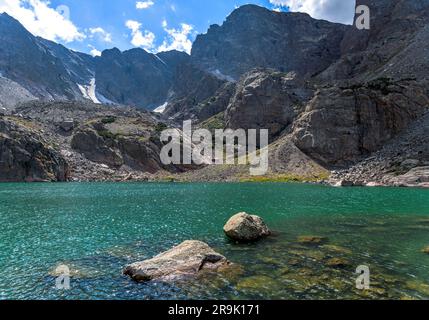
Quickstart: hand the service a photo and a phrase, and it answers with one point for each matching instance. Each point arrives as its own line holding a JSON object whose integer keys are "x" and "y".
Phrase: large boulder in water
{"x": 244, "y": 227}
{"x": 187, "y": 259}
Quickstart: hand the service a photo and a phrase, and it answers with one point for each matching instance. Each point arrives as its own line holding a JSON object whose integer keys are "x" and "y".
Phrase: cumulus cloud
{"x": 144, "y": 39}
{"x": 94, "y": 52}
{"x": 144, "y": 4}
{"x": 41, "y": 20}
{"x": 178, "y": 39}
{"x": 332, "y": 10}
{"x": 105, "y": 36}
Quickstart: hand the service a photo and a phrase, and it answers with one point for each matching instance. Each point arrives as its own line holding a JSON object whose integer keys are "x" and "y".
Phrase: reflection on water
{"x": 96, "y": 229}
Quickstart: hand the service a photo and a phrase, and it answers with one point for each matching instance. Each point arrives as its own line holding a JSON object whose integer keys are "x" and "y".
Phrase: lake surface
{"x": 96, "y": 229}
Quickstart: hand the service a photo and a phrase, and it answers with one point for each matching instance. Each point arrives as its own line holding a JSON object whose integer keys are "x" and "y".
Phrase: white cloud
{"x": 144, "y": 4}
{"x": 40, "y": 19}
{"x": 105, "y": 36}
{"x": 144, "y": 39}
{"x": 178, "y": 39}
{"x": 94, "y": 52}
{"x": 332, "y": 10}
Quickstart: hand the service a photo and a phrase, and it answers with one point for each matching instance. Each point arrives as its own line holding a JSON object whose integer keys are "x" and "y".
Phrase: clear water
{"x": 97, "y": 228}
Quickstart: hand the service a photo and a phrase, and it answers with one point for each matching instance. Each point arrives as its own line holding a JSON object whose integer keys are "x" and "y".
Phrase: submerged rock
{"x": 337, "y": 249}
{"x": 426, "y": 250}
{"x": 338, "y": 263}
{"x": 260, "y": 284}
{"x": 246, "y": 228}
{"x": 312, "y": 240}
{"x": 418, "y": 286}
{"x": 187, "y": 259}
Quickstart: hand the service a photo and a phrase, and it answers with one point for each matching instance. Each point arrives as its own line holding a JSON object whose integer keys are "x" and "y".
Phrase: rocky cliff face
{"x": 396, "y": 46}
{"x": 118, "y": 142}
{"x": 333, "y": 97}
{"x": 11, "y": 93}
{"x": 26, "y": 157}
{"x": 342, "y": 124}
{"x": 267, "y": 99}
{"x": 30, "y": 62}
{"x": 191, "y": 89}
{"x": 256, "y": 37}
{"x": 136, "y": 77}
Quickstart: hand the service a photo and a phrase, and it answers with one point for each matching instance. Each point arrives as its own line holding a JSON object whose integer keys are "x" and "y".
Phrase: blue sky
{"x": 156, "y": 25}
{"x": 112, "y": 15}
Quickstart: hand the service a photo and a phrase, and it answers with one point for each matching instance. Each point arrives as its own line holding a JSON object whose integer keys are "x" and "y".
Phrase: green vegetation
{"x": 284, "y": 178}
{"x": 108, "y": 120}
{"x": 213, "y": 123}
{"x": 160, "y": 127}
{"x": 106, "y": 134}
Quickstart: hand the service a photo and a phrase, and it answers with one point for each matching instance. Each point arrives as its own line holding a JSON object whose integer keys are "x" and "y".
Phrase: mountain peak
{"x": 5, "y": 17}
{"x": 283, "y": 41}
{"x": 9, "y": 23}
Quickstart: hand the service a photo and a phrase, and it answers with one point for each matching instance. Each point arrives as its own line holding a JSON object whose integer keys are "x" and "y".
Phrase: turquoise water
{"x": 97, "y": 228}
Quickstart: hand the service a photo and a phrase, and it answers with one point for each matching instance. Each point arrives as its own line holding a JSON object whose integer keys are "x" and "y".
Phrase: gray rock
{"x": 186, "y": 260}
{"x": 137, "y": 77}
{"x": 253, "y": 37}
{"x": 338, "y": 127}
{"x": 345, "y": 183}
{"x": 266, "y": 99}
{"x": 96, "y": 147}
{"x": 416, "y": 177}
{"x": 67, "y": 125}
{"x": 25, "y": 157}
{"x": 246, "y": 228}
{"x": 410, "y": 164}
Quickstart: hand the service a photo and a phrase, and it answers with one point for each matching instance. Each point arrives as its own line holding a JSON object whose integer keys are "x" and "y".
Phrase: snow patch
{"x": 89, "y": 92}
{"x": 222, "y": 76}
{"x": 161, "y": 108}
{"x": 103, "y": 99}
{"x": 84, "y": 90}
{"x": 162, "y": 61}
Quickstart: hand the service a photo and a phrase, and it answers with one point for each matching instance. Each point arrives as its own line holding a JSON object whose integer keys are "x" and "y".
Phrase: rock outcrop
{"x": 416, "y": 177}
{"x": 253, "y": 36}
{"x": 191, "y": 88}
{"x": 25, "y": 157}
{"x": 118, "y": 142}
{"x": 136, "y": 77}
{"x": 396, "y": 45}
{"x": 246, "y": 228}
{"x": 96, "y": 147}
{"x": 342, "y": 124}
{"x": 186, "y": 260}
{"x": 266, "y": 99}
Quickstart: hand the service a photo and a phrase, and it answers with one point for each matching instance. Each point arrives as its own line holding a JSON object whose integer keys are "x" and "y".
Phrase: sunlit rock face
{"x": 253, "y": 36}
